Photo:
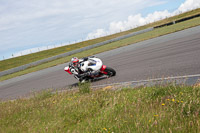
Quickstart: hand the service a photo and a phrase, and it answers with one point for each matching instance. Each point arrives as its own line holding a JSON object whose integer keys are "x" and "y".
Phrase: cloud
{"x": 189, "y": 5}
{"x": 134, "y": 21}
{"x": 98, "y": 33}
{"x": 16, "y": 14}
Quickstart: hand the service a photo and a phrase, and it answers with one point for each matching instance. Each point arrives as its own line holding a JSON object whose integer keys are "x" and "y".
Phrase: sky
{"x": 28, "y": 26}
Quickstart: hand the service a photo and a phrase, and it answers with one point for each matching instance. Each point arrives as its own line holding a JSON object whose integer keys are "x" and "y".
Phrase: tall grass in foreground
{"x": 84, "y": 87}
{"x": 146, "y": 109}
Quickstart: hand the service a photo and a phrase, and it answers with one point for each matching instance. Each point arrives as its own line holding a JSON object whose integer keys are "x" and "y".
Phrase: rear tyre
{"x": 111, "y": 72}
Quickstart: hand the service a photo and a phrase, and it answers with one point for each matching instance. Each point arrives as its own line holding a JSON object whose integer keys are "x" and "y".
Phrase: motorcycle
{"x": 94, "y": 64}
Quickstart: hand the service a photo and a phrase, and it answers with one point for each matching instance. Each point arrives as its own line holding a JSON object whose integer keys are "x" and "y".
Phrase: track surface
{"x": 175, "y": 54}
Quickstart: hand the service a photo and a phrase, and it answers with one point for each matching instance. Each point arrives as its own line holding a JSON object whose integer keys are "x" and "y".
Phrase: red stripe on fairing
{"x": 103, "y": 68}
{"x": 68, "y": 71}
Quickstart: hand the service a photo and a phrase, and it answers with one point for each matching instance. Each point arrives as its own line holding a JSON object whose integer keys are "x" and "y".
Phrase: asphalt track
{"x": 175, "y": 54}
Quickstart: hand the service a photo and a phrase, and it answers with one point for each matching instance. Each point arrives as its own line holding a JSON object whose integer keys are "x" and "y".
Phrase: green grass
{"x": 114, "y": 45}
{"x": 18, "y": 61}
{"x": 144, "y": 109}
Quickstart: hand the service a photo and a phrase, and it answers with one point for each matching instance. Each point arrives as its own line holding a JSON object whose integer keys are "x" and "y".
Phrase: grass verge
{"x": 110, "y": 46}
{"x": 146, "y": 109}
{"x": 19, "y": 61}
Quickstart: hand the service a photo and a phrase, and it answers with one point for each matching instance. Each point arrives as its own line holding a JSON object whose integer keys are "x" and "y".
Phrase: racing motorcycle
{"x": 92, "y": 64}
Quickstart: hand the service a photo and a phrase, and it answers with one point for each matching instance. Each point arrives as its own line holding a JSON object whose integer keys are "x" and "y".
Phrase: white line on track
{"x": 149, "y": 80}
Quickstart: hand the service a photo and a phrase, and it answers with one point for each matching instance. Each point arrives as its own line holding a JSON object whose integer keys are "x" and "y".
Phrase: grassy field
{"x": 145, "y": 109}
{"x": 18, "y": 61}
{"x": 121, "y": 43}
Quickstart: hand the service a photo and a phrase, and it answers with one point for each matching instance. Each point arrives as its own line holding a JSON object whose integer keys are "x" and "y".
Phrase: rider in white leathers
{"x": 88, "y": 66}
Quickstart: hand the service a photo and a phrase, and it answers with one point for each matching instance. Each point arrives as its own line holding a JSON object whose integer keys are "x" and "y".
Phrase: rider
{"x": 75, "y": 68}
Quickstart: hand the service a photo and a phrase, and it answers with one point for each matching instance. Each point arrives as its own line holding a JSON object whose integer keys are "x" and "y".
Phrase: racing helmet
{"x": 75, "y": 61}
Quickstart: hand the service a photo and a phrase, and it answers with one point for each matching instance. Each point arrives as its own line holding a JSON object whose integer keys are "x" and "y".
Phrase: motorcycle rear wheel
{"x": 110, "y": 71}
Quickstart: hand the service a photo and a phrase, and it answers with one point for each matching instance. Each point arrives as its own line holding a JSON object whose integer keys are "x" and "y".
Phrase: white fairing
{"x": 93, "y": 63}
{"x": 66, "y": 68}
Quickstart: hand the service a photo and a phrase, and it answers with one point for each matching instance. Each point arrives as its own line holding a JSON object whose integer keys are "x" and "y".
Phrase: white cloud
{"x": 189, "y": 5}
{"x": 22, "y": 12}
{"x": 138, "y": 20}
{"x": 98, "y": 33}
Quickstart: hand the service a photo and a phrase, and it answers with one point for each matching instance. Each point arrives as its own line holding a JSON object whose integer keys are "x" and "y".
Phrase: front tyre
{"x": 110, "y": 71}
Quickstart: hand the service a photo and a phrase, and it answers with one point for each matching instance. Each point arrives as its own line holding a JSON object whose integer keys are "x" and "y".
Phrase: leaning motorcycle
{"x": 105, "y": 72}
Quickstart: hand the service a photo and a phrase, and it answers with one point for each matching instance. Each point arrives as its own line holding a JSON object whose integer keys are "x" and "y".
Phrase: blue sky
{"x": 29, "y": 26}
{"x": 170, "y": 5}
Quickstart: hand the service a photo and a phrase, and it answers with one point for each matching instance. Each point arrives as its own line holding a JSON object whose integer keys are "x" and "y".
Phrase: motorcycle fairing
{"x": 103, "y": 69}
{"x": 67, "y": 70}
